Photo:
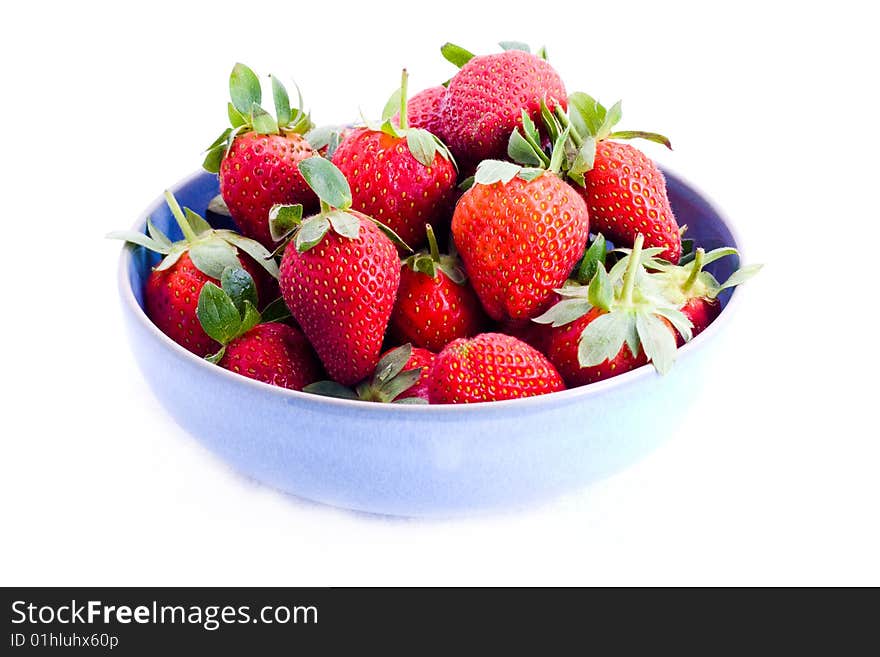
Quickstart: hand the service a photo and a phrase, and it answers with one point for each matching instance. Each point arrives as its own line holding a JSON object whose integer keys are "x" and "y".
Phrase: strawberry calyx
{"x": 330, "y": 185}
{"x": 211, "y": 250}
{"x": 589, "y": 122}
{"x": 389, "y": 381}
{"x": 246, "y": 114}
{"x": 683, "y": 282}
{"x": 430, "y": 261}
{"x": 423, "y": 145}
{"x": 635, "y": 314}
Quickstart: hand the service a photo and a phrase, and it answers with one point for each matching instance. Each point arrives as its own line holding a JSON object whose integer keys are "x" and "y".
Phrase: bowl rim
{"x": 549, "y": 399}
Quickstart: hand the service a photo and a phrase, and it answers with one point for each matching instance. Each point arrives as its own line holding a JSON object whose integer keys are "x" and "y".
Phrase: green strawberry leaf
{"x": 564, "y": 312}
{"x": 392, "y": 106}
{"x": 239, "y": 286}
{"x": 739, "y": 276}
{"x": 529, "y": 173}
{"x": 542, "y": 53}
{"x": 586, "y": 113}
{"x": 326, "y": 181}
{"x": 218, "y": 206}
{"x": 558, "y": 154}
{"x": 593, "y": 258}
{"x": 345, "y": 224}
{"x": 244, "y": 89}
{"x": 601, "y": 292}
{"x": 612, "y": 118}
{"x": 657, "y": 341}
{"x": 221, "y": 140}
{"x": 173, "y": 256}
{"x": 250, "y": 318}
{"x": 311, "y": 232}
{"x": 284, "y": 219}
{"x": 715, "y": 254}
{"x": 639, "y": 134}
{"x": 678, "y": 320}
{"x": 392, "y": 363}
{"x": 394, "y": 237}
{"x": 551, "y": 123}
{"x": 212, "y": 256}
{"x": 263, "y": 123}
{"x": 520, "y": 150}
{"x": 450, "y": 267}
{"x": 456, "y": 55}
{"x": 493, "y": 171}
{"x": 215, "y": 358}
{"x": 213, "y": 159}
{"x": 157, "y": 234}
{"x": 275, "y": 311}
{"x": 424, "y": 264}
{"x": 401, "y": 383}
{"x": 330, "y": 389}
{"x": 236, "y": 118}
{"x": 282, "y": 102}
{"x": 217, "y": 314}
{"x": 467, "y": 183}
{"x": 603, "y": 338}
{"x": 254, "y": 249}
{"x": 133, "y": 237}
{"x": 197, "y": 222}
{"x": 515, "y": 45}
{"x": 422, "y": 144}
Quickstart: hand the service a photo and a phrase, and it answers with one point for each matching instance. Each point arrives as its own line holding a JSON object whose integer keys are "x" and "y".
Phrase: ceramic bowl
{"x": 420, "y": 460}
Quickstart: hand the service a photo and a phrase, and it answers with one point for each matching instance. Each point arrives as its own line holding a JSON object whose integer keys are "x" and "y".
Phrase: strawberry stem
{"x": 566, "y": 123}
{"x": 404, "y": 120}
{"x": 432, "y": 243}
{"x": 188, "y": 233}
{"x": 632, "y": 267}
{"x": 696, "y": 268}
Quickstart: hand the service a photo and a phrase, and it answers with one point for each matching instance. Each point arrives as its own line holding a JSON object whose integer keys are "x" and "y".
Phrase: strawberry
{"x": 401, "y": 176}
{"x": 256, "y": 158}
{"x": 485, "y": 100}
{"x": 624, "y": 190}
{"x": 270, "y": 352}
{"x": 694, "y": 290}
{"x": 519, "y": 232}
{"x": 490, "y": 367}
{"x": 617, "y": 323}
{"x": 339, "y": 275}
{"x": 435, "y": 305}
{"x": 172, "y": 289}
{"x": 400, "y": 377}
{"x": 423, "y": 110}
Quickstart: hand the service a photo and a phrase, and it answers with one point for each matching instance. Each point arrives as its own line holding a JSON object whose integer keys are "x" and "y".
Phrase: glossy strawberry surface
{"x": 484, "y": 102}
{"x": 389, "y": 184}
{"x": 273, "y": 353}
{"x": 490, "y": 367}
{"x": 341, "y": 292}
{"x": 519, "y": 241}
{"x": 626, "y": 195}
{"x": 260, "y": 171}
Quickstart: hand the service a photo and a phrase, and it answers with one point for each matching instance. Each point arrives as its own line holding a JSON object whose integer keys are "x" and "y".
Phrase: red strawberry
{"x": 695, "y": 291}
{"x": 171, "y": 292}
{"x": 486, "y": 98}
{"x": 339, "y": 276}
{"x": 435, "y": 305}
{"x": 423, "y": 110}
{"x": 490, "y": 367}
{"x": 257, "y": 157}
{"x": 624, "y": 190}
{"x": 401, "y": 377}
{"x": 401, "y": 176}
{"x": 520, "y": 233}
{"x": 626, "y": 194}
{"x": 617, "y": 323}
{"x": 273, "y": 353}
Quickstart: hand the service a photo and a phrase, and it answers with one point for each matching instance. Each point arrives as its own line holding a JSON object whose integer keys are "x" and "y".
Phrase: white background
{"x": 773, "y": 476}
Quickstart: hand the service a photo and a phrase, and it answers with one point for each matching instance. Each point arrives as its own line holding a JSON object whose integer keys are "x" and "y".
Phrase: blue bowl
{"x": 420, "y": 460}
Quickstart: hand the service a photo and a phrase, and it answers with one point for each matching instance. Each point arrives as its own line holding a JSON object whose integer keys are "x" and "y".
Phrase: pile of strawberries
{"x": 487, "y": 239}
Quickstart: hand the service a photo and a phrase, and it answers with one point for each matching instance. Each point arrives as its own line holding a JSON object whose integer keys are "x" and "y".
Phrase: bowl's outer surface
{"x": 428, "y": 460}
